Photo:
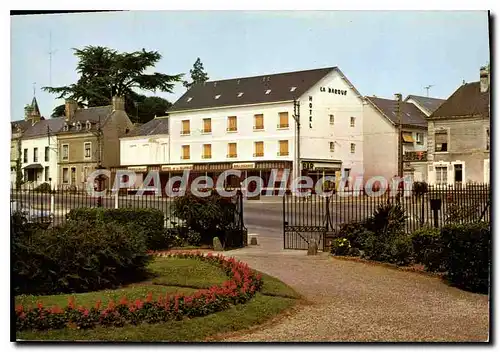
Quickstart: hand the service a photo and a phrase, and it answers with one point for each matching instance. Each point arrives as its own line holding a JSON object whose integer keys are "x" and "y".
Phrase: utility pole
{"x": 98, "y": 134}
{"x": 296, "y": 117}
{"x": 398, "y": 98}
{"x": 51, "y": 52}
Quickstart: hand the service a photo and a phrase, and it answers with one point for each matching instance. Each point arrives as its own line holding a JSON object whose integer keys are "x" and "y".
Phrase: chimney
{"x": 118, "y": 103}
{"x": 484, "y": 79}
{"x": 70, "y": 108}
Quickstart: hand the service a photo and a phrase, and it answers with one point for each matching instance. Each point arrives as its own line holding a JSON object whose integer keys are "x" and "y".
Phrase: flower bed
{"x": 242, "y": 285}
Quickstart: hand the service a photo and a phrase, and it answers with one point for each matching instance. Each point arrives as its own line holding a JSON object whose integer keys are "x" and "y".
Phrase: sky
{"x": 380, "y": 52}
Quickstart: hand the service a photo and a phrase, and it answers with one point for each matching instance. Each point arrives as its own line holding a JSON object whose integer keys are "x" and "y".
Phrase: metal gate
{"x": 305, "y": 219}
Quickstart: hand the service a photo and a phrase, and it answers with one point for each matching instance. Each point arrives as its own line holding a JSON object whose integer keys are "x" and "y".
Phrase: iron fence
{"x": 313, "y": 216}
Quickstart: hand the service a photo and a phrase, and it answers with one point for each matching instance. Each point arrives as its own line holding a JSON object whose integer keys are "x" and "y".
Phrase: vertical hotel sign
{"x": 310, "y": 111}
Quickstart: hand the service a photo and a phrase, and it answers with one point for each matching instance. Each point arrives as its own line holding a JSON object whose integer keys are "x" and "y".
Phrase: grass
{"x": 186, "y": 273}
{"x": 176, "y": 273}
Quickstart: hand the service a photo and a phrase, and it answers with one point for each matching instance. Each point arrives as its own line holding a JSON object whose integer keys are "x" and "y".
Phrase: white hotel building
{"x": 248, "y": 124}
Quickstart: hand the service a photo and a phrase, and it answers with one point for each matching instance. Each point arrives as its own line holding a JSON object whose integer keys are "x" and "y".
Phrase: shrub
{"x": 387, "y": 219}
{"x": 340, "y": 246}
{"x": 354, "y": 232}
{"x": 208, "y": 216}
{"x": 147, "y": 221}
{"x": 420, "y": 188}
{"x": 77, "y": 256}
{"x": 44, "y": 188}
{"x": 467, "y": 249}
{"x": 428, "y": 248}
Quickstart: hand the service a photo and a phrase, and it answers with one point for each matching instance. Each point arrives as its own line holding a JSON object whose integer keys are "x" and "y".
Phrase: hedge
{"x": 149, "y": 222}
{"x": 77, "y": 256}
{"x": 242, "y": 286}
{"x": 467, "y": 252}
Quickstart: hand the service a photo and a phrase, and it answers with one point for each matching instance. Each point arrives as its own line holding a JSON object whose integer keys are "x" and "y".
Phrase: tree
{"x": 105, "y": 72}
{"x": 198, "y": 74}
{"x": 143, "y": 109}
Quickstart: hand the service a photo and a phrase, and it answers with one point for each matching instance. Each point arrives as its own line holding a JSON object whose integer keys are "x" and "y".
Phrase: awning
{"x": 33, "y": 166}
{"x": 407, "y": 137}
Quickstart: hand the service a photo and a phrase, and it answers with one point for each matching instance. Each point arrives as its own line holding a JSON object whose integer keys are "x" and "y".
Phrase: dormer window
{"x": 217, "y": 96}
{"x": 240, "y": 94}
{"x": 65, "y": 127}
{"x": 189, "y": 99}
{"x": 78, "y": 126}
{"x": 88, "y": 125}
{"x": 293, "y": 89}
{"x": 268, "y": 91}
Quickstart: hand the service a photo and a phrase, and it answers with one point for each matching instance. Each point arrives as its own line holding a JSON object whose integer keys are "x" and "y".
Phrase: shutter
{"x": 232, "y": 123}
{"x": 185, "y": 151}
{"x": 207, "y": 125}
{"x": 259, "y": 121}
{"x": 232, "y": 149}
{"x": 207, "y": 150}
{"x": 283, "y": 119}
{"x": 185, "y": 126}
{"x": 259, "y": 148}
{"x": 283, "y": 147}
{"x": 441, "y": 138}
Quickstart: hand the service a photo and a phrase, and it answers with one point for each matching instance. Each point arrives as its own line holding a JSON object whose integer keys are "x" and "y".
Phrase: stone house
{"x": 88, "y": 139}
{"x": 459, "y": 136}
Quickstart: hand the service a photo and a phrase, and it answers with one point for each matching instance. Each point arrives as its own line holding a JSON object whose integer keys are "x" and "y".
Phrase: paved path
{"x": 355, "y": 301}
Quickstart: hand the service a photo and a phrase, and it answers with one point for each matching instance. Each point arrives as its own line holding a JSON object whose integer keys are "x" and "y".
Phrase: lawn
{"x": 171, "y": 275}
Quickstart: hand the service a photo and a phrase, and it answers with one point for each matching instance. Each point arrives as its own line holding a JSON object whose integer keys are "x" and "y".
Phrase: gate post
{"x": 284, "y": 222}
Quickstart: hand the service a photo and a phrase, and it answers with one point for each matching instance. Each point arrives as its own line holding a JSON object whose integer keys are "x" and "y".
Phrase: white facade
{"x": 144, "y": 150}
{"x": 48, "y": 160}
{"x": 330, "y": 96}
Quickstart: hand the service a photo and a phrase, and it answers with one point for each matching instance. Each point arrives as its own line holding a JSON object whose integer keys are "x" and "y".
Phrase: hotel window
{"x": 419, "y": 137}
{"x": 232, "y": 124}
{"x": 332, "y": 119}
{"x": 441, "y": 175}
{"x": 207, "y": 151}
{"x": 185, "y": 152}
{"x": 283, "y": 148}
{"x": 353, "y": 148}
{"x": 46, "y": 173}
{"x": 73, "y": 175}
{"x": 207, "y": 125}
{"x": 35, "y": 155}
{"x": 88, "y": 146}
{"x": 25, "y": 155}
{"x": 283, "y": 120}
{"x": 259, "y": 122}
{"x": 231, "y": 150}
{"x": 259, "y": 149}
{"x": 46, "y": 153}
{"x": 332, "y": 146}
{"x": 441, "y": 141}
{"x": 65, "y": 151}
{"x": 185, "y": 127}
{"x": 487, "y": 139}
{"x": 353, "y": 120}
{"x": 65, "y": 175}
{"x": 85, "y": 173}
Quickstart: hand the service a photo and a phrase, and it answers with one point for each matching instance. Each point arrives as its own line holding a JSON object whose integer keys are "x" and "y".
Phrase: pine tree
{"x": 198, "y": 74}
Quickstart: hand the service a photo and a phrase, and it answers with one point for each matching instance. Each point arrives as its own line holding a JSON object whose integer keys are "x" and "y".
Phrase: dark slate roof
{"x": 411, "y": 115}
{"x": 22, "y": 124}
{"x": 92, "y": 114}
{"x": 466, "y": 101}
{"x": 34, "y": 105}
{"x": 253, "y": 88}
{"x": 429, "y": 104}
{"x": 150, "y": 128}
{"x": 39, "y": 129}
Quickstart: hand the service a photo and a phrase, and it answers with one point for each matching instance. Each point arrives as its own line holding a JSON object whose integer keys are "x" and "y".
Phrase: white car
{"x": 32, "y": 215}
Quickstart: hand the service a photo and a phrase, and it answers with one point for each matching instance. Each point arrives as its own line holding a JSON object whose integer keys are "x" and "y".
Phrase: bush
{"x": 420, "y": 188}
{"x": 467, "y": 251}
{"x": 78, "y": 256}
{"x": 44, "y": 188}
{"x": 147, "y": 221}
{"x": 354, "y": 232}
{"x": 340, "y": 246}
{"x": 387, "y": 219}
{"x": 209, "y": 216}
{"x": 428, "y": 248}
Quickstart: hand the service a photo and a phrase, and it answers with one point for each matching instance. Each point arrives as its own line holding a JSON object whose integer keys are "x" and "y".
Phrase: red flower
{"x": 22, "y": 315}
{"x": 138, "y": 303}
{"x": 111, "y": 305}
{"x": 149, "y": 297}
{"x": 71, "y": 302}
{"x": 85, "y": 312}
{"x": 123, "y": 301}
{"x": 39, "y": 305}
{"x": 19, "y": 308}
{"x": 98, "y": 304}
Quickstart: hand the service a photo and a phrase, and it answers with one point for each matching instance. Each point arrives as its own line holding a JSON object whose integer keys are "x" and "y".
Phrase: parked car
{"x": 33, "y": 216}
